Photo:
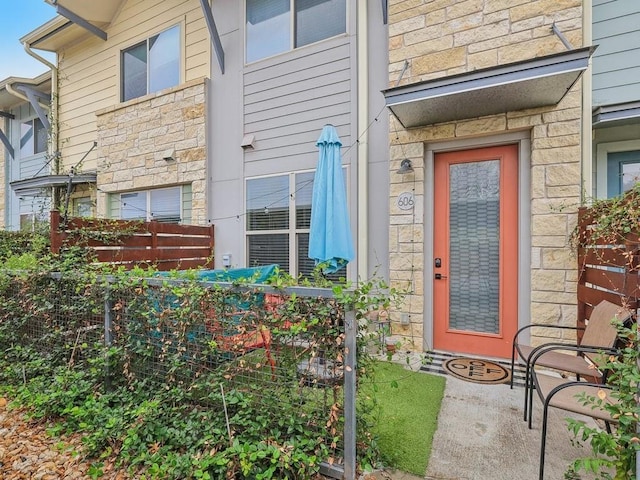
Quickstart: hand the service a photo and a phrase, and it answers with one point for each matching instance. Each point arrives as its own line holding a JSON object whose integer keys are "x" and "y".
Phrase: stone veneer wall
{"x": 132, "y": 137}
{"x": 444, "y": 37}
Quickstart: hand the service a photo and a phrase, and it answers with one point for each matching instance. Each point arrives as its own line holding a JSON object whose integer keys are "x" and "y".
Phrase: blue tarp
{"x": 261, "y": 274}
{"x": 330, "y": 241}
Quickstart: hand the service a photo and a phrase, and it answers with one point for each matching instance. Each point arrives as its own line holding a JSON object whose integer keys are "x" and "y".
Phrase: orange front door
{"x": 475, "y": 262}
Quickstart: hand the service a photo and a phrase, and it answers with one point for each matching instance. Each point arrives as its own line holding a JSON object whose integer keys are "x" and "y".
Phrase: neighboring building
{"x": 129, "y": 106}
{"x": 616, "y": 96}
{"x": 208, "y": 112}
{"x": 489, "y": 111}
{"x": 24, "y": 122}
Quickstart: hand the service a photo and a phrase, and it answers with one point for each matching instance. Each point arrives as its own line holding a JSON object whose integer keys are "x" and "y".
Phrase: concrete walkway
{"x": 481, "y": 435}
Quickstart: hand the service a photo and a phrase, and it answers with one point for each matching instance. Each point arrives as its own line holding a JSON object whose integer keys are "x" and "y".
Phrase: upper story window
{"x": 272, "y": 28}
{"x": 33, "y": 138}
{"x": 151, "y": 65}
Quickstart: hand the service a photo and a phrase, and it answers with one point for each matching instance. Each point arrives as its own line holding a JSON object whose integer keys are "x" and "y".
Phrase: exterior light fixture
{"x": 169, "y": 155}
{"x": 405, "y": 167}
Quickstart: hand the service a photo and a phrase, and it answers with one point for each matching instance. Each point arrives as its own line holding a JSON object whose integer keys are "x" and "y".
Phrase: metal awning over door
{"x": 538, "y": 82}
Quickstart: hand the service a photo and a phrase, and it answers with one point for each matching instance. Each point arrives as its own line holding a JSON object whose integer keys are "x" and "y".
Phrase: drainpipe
{"x": 587, "y": 106}
{"x": 53, "y": 147}
{"x": 363, "y": 135}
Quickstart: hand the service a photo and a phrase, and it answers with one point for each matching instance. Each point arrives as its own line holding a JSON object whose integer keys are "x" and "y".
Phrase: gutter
{"x": 54, "y": 144}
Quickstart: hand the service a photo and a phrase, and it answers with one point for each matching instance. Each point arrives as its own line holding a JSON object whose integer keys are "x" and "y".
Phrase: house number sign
{"x": 405, "y": 201}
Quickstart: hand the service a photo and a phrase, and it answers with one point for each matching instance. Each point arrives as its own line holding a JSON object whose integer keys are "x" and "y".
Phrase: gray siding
{"x": 284, "y": 101}
{"x": 287, "y": 100}
{"x": 616, "y": 62}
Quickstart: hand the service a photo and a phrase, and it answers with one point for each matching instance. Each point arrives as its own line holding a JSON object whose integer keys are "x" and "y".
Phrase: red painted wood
{"x": 445, "y": 338}
{"x": 169, "y": 245}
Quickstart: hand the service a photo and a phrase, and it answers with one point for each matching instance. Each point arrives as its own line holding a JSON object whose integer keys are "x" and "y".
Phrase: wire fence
{"x": 209, "y": 338}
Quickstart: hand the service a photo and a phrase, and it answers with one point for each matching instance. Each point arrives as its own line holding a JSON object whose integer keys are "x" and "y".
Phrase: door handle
{"x": 439, "y": 276}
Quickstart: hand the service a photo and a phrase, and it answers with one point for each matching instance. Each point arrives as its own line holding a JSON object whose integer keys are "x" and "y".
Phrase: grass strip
{"x": 407, "y": 416}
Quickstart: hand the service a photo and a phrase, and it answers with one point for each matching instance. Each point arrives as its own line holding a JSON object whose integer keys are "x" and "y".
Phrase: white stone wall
{"x": 444, "y": 37}
{"x": 133, "y": 136}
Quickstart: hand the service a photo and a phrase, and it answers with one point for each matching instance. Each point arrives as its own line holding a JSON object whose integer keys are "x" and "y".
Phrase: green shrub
{"x": 166, "y": 396}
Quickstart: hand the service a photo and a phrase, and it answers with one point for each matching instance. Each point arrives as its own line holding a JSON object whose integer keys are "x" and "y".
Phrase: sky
{"x": 17, "y": 18}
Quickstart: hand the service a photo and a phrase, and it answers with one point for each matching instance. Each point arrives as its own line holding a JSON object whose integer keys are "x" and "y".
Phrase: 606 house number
{"x": 405, "y": 201}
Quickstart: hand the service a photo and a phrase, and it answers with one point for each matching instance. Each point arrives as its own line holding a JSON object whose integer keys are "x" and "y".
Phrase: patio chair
{"x": 599, "y": 334}
{"x": 558, "y": 392}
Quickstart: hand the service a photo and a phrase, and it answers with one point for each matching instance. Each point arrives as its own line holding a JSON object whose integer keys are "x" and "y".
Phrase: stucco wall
{"x": 445, "y": 37}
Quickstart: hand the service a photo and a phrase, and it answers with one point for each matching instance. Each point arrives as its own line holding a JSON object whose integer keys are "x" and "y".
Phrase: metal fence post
{"x": 108, "y": 332}
{"x": 351, "y": 332}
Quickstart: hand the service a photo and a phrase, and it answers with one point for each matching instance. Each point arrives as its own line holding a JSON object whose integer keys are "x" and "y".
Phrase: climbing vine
{"x": 190, "y": 379}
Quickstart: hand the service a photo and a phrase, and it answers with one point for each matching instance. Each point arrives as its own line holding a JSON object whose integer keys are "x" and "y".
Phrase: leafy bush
{"x": 18, "y": 243}
{"x": 192, "y": 380}
{"x": 614, "y": 451}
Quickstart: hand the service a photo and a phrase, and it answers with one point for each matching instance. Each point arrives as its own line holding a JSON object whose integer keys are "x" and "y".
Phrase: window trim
{"x": 181, "y": 61}
{"x": 292, "y": 33}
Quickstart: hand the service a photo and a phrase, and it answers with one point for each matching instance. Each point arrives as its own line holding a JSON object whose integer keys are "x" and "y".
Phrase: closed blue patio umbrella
{"x": 330, "y": 241}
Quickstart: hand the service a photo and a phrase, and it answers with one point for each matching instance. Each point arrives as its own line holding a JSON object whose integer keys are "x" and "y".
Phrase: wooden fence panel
{"x": 167, "y": 246}
{"x": 606, "y": 270}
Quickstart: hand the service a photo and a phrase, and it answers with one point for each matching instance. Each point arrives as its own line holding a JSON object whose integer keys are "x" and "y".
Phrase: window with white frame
{"x": 278, "y": 211}
{"x": 160, "y": 204}
{"x": 33, "y": 211}
{"x": 33, "y": 137}
{"x": 151, "y": 65}
{"x": 277, "y": 26}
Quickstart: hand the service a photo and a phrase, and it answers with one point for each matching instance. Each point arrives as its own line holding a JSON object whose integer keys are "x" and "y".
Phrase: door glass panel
{"x": 267, "y": 249}
{"x": 268, "y": 203}
{"x": 474, "y": 223}
{"x": 304, "y": 192}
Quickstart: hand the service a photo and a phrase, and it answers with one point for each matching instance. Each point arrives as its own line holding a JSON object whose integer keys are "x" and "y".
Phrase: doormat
{"x": 476, "y": 370}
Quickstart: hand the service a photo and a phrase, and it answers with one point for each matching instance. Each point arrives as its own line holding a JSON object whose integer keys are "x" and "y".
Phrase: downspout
{"x": 363, "y": 139}
{"x": 53, "y": 146}
{"x": 587, "y": 107}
